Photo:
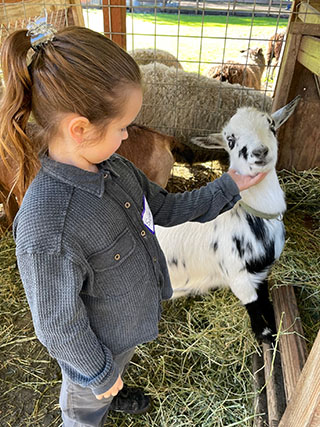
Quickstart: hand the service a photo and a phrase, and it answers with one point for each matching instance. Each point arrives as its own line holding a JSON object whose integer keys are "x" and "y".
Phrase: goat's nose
{"x": 260, "y": 152}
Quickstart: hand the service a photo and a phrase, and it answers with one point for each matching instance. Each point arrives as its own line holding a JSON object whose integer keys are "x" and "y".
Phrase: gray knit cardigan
{"x": 93, "y": 272}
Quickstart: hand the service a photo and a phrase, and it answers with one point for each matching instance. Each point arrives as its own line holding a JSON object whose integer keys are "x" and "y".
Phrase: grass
{"x": 196, "y": 40}
{"x": 199, "y": 369}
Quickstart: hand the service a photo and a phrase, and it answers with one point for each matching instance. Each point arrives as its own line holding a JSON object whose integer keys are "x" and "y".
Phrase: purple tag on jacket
{"x": 147, "y": 217}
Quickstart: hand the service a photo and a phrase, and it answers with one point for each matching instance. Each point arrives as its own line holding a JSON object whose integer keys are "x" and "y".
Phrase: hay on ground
{"x": 199, "y": 369}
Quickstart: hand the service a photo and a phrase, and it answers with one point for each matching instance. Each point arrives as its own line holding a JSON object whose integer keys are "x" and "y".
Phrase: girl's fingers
{"x": 259, "y": 177}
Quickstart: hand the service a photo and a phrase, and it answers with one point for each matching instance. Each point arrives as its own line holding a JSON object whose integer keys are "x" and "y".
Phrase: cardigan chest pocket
{"x": 119, "y": 267}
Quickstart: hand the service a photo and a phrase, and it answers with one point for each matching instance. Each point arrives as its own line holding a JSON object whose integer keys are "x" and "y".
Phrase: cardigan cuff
{"x": 112, "y": 378}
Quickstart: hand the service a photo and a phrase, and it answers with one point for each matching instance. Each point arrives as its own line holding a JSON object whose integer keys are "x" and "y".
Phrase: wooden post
{"x": 14, "y": 12}
{"x": 292, "y": 344}
{"x": 260, "y": 401}
{"x": 309, "y": 55}
{"x": 303, "y": 410}
{"x": 77, "y": 14}
{"x": 276, "y": 400}
{"x": 301, "y": 58}
{"x": 114, "y": 21}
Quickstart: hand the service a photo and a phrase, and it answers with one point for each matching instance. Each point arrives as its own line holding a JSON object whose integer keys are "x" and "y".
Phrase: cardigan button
{"x": 117, "y": 257}
{"x": 127, "y": 205}
{"x": 143, "y": 233}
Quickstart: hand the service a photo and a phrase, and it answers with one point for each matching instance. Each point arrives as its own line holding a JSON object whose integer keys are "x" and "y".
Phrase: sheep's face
{"x": 251, "y": 142}
{"x": 251, "y": 55}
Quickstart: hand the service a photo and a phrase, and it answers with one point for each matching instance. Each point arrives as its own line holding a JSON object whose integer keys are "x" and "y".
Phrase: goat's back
{"x": 225, "y": 252}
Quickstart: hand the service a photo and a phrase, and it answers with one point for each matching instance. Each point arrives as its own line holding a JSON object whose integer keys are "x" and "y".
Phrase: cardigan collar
{"x": 92, "y": 182}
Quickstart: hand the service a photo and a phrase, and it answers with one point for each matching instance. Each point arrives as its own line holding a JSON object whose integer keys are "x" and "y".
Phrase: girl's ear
{"x": 77, "y": 128}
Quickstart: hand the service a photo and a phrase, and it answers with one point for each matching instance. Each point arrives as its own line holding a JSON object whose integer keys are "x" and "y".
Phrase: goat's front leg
{"x": 262, "y": 315}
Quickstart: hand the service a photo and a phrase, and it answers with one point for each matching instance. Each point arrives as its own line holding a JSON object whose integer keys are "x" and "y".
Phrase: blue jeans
{"x": 80, "y": 407}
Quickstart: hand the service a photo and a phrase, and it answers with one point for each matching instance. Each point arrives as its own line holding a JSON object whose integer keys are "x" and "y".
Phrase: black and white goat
{"x": 238, "y": 248}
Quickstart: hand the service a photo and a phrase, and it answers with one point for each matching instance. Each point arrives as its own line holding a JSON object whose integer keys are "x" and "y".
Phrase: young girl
{"x": 89, "y": 260}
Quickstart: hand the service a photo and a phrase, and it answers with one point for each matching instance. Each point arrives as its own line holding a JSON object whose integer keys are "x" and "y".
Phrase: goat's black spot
{"x": 214, "y": 246}
{"x": 272, "y": 124}
{"x": 239, "y": 243}
{"x": 257, "y": 226}
{"x": 261, "y": 314}
{"x": 249, "y": 247}
{"x": 173, "y": 261}
{"x": 257, "y": 265}
{"x": 273, "y": 130}
{"x": 231, "y": 141}
{"x": 244, "y": 152}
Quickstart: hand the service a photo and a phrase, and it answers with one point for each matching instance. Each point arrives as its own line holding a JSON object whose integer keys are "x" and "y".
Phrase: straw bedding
{"x": 199, "y": 369}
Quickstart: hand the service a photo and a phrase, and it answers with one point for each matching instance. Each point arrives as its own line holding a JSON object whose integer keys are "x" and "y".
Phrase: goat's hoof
{"x": 266, "y": 336}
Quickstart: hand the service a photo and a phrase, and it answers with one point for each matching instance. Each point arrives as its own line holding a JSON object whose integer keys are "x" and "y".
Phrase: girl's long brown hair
{"x": 79, "y": 71}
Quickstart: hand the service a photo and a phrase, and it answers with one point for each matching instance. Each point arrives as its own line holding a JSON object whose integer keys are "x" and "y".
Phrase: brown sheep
{"x": 150, "y": 151}
{"x": 274, "y": 48}
{"x": 247, "y": 71}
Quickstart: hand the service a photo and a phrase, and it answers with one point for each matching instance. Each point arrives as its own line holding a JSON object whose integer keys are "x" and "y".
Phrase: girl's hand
{"x": 113, "y": 391}
{"x": 246, "y": 181}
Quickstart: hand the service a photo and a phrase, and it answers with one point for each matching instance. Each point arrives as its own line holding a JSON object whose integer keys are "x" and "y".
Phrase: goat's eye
{"x": 272, "y": 128}
{"x": 231, "y": 141}
{"x": 272, "y": 125}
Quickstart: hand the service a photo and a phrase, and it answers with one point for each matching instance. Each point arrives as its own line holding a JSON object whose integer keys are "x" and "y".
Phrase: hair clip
{"x": 40, "y": 31}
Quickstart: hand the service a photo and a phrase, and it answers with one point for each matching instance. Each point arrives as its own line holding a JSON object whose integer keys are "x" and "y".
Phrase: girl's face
{"x": 116, "y": 131}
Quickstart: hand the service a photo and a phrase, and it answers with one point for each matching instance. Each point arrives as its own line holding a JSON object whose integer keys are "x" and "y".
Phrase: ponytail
{"x": 16, "y": 148}
{"x": 78, "y": 71}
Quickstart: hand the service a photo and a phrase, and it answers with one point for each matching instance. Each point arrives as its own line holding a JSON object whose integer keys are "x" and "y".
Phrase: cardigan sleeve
{"x": 52, "y": 284}
{"x": 199, "y": 205}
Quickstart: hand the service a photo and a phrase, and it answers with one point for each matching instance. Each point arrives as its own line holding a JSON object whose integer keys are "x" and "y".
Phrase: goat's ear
{"x": 210, "y": 142}
{"x": 281, "y": 116}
